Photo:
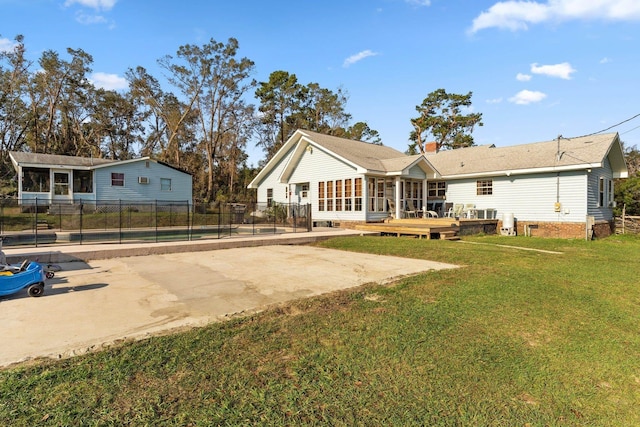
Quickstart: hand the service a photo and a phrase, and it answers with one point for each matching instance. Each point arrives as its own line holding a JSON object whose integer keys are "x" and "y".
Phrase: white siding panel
{"x": 272, "y": 180}
{"x": 317, "y": 166}
{"x": 528, "y": 197}
{"x": 416, "y": 173}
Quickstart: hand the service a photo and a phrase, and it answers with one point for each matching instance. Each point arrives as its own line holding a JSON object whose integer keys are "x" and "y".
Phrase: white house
{"x": 343, "y": 180}
{"x": 55, "y": 179}
{"x": 559, "y": 187}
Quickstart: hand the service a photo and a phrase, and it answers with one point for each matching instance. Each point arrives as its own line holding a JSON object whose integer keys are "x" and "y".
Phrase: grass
{"x": 513, "y": 338}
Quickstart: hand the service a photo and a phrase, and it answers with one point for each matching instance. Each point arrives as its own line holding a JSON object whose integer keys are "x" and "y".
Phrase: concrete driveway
{"x": 93, "y": 304}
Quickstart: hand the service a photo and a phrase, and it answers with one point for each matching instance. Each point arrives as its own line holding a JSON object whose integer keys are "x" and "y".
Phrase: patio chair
{"x": 458, "y": 209}
{"x": 469, "y": 210}
{"x": 391, "y": 207}
{"x": 409, "y": 211}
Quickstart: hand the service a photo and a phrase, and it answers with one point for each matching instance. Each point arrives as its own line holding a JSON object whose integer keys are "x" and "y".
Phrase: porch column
{"x": 424, "y": 197}
{"x": 398, "y": 197}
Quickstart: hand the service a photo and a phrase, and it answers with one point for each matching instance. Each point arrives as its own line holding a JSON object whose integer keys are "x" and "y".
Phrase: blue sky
{"x": 537, "y": 69}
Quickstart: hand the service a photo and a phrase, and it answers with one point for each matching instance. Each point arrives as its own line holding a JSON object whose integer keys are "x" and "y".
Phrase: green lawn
{"x": 513, "y": 338}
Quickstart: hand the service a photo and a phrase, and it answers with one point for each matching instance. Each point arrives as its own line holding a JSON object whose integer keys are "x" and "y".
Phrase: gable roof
{"x": 548, "y": 156}
{"x": 20, "y": 158}
{"x": 367, "y": 156}
{"x": 363, "y": 156}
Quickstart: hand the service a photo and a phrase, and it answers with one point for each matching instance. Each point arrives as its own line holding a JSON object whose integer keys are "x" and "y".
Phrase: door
{"x": 61, "y": 186}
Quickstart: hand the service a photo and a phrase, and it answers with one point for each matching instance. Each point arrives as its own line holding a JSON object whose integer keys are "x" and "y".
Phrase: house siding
{"x": 181, "y": 183}
{"x": 416, "y": 173}
{"x": 317, "y": 165}
{"x": 600, "y": 213}
{"x": 272, "y": 181}
{"x": 528, "y": 197}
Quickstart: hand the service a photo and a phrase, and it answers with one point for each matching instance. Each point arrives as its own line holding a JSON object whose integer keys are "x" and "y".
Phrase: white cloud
{"x": 563, "y": 70}
{"x": 358, "y": 57}
{"x": 523, "y": 77}
{"x": 518, "y": 15}
{"x": 494, "y": 101}
{"x": 525, "y": 97}
{"x": 108, "y": 81}
{"x": 85, "y": 19}
{"x": 93, "y": 4}
{"x": 7, "y": 45}
{"x": 605, "y": 60}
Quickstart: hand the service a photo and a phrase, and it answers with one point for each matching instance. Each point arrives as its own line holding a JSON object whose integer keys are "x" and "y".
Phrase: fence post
{"x": 189, "y": 221}
{"x": 156, "y": 213}
{"x": 81, "y": 213}
{"x": 219, "y": 211}
{"x": 119, "y": 221}
{"x": 36, "y": 223}
{"x": 293, "y": 211}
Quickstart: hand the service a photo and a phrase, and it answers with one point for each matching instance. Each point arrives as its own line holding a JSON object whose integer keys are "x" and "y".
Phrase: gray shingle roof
{"x": 590, "y": 150}
{"x": 23, "y": 158}
{"x": 369, "y": 156}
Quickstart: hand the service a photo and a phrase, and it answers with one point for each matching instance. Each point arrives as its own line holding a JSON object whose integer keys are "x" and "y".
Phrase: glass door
{"x": 61, "y": 182}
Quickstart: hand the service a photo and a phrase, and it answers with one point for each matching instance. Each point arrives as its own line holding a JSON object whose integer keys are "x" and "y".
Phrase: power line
{"x": 610, "y": 127}
{"x": 630, "y": 130}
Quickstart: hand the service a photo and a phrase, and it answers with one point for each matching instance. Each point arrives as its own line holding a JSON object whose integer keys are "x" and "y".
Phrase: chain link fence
{"x": 38, "y": 222}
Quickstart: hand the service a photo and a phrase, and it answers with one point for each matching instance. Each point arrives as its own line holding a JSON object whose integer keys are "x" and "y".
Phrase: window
{"x": 372, "y": 194}
{"x": 605, "y": 192}
{"x": 35, "y": 180}
{"x": 484, "y": 187}
{"x": 117, "y": 179}
{"x": 379, "y": 189}
{"x": 413, "y": 192}
{"x": 82, "y": 181}
{"x": 436, "y": 189}
{"x": 338, "y": 195}
{"x": 348, "y": 203}
{"x": 358, "y": 194}
{"x": 165, "y": 184}
{"x": 304, "y": 190}
{"x": 601, "y": 192}
{"x": 269, "y": 197}
{"x": 611, "y": 195}
{"x": 321, "y": 196}
{"x": 329, "y": 195}
{"x": 380, "y": 196}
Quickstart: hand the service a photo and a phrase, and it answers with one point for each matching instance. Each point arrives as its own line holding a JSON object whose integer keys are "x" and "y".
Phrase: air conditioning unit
{"x": 143, "y": 180}
{"x": 612, "y": 204}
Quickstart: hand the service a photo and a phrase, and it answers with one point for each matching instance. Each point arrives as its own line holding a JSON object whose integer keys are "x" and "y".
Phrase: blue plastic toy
{"x": 14, "y": 278}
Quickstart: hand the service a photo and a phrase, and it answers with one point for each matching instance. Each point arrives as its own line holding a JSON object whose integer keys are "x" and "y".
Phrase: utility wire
{"x": 630, "y": 130}
{"x": 604, "y": 130}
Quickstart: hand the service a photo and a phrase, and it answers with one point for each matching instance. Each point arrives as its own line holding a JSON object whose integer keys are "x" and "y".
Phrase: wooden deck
{"x": 431, "y": 228}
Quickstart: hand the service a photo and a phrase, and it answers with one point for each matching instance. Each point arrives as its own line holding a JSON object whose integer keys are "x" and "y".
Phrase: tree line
{"x": 200, "y": 118}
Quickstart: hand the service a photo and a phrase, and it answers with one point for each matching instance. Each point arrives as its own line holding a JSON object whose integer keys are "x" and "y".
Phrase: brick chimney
{"x": 431, "y": 147}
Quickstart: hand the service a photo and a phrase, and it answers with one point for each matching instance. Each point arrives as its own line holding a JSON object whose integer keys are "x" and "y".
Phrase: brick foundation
{"x": 562, "y": 230}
